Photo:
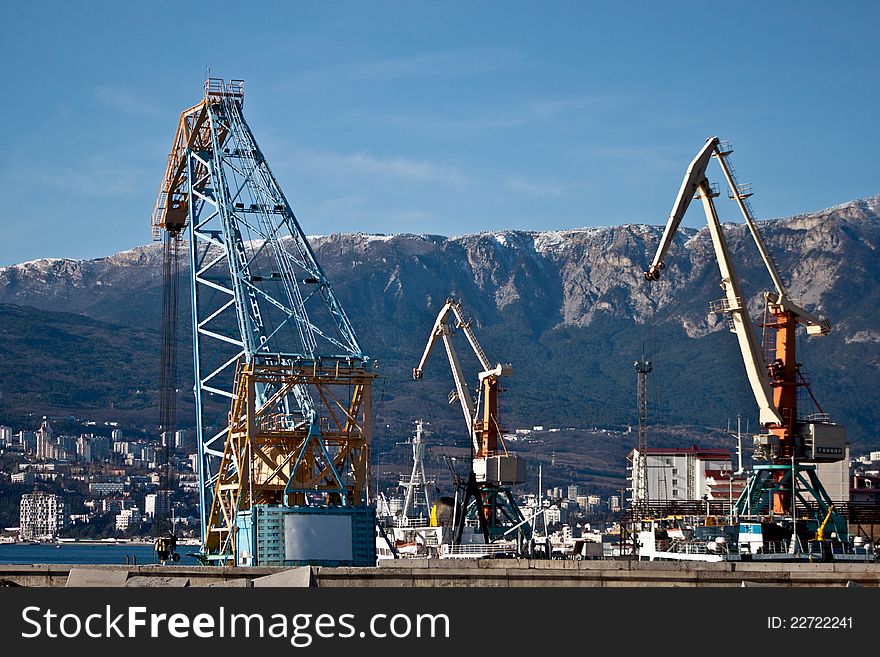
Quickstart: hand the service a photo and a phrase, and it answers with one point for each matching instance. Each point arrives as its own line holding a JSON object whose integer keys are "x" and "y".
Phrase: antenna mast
{"x": 640, "y": 488}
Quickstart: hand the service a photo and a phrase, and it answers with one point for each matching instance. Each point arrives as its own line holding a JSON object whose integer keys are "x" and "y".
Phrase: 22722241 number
{"x": 810, "y": 623}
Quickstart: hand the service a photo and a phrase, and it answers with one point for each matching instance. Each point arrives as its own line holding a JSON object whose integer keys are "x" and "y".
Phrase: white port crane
{"x": 791, "y": 441}
{"x": 696, "y": 185}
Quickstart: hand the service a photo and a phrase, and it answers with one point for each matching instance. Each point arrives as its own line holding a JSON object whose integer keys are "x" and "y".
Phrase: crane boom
{"x": 443, "y": 330}
{"x": 734, "y": 304}
{"x": 695, "y": 175}
{"x": 469, "y": 334}
{"x": 272, "y": 344}
{"x": 462, "y": 391}
{"x": 493, "y": 468}
{"x": 695, "y": 184}
{"x": 793, "y": 440}
{"x": 779, "y": 299}
{"x": 740, "y": 199}
{"x": 484, "y": 431}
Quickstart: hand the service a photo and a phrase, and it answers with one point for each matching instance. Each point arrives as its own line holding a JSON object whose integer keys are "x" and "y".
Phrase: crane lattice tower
{"x": 282, "y": 385}
{"x": 643, "y": 367}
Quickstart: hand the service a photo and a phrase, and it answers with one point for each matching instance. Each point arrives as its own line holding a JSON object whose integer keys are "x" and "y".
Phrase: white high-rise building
{"x": 46, "y": 447}
{"x": 148, "y": 453}
{"x": 679, "y": 473}
{"x": 155, "y": 504}
{"x": 84, "y": 449}
{"x": 556, "y": 513}
{"x": 42, "y": 516}
{"x": 28, "y": 441}
{"x": 5, "y": 436}
{"x": 123, "y": 447}
{"x": 128, "y": 518}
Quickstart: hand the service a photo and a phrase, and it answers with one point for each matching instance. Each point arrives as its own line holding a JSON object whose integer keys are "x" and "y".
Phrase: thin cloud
{"x": 124, "y": 100}
{"x": 352, "y": 213}
{"x": 529, "y": 112}
{"x": 341, "y": 204}
{"x": 452, "y": 63}
{"x": 393, "y": 168}
{"x": 405, "y": 171}
{"x": 409, "y": 217}
{"x": 539, "y": 187}
{"x": 95, "y": 179}
{"x": 445, "y": 124}
{"x": 635, "y": 159}
{"x": 549, "y": 108}
{"x": 445, "y": 63}
{"x": 344, "y": 211}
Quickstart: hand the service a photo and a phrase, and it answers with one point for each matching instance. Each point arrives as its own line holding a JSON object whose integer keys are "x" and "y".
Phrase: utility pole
{"x": 739, "y": 445}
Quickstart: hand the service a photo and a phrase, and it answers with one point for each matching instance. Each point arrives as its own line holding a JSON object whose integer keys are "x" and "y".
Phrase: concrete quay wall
{"x": 456, "y": 573}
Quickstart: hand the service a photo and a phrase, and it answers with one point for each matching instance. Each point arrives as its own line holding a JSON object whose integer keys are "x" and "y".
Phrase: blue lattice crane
{"x": 282, "y": 385}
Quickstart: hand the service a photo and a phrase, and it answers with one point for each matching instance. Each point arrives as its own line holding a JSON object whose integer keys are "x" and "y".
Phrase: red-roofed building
{"x": 725, "y": 485}
{"x": 680, "y": 473}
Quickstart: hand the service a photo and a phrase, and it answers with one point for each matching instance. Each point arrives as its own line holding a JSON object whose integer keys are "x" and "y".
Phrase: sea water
{"x": 140, "y": 554}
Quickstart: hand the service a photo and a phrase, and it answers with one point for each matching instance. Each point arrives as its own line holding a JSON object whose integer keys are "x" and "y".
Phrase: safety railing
{"x": 714, "y": 190}
{"x": 724, "y": 305}
{"x": 476, "y": 551}
{"x": 743, "y": 191}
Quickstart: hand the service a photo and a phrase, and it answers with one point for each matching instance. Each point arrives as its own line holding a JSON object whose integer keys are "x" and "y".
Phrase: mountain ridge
{"x": 568, "y": 307}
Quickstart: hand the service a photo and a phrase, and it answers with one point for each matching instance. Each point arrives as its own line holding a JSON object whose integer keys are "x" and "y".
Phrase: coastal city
{"x": 91, "y": 486}
{"x": 105, "y": 486}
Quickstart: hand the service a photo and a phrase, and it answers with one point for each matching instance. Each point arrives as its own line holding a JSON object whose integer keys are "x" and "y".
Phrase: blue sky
{"x": 434, "y": 117}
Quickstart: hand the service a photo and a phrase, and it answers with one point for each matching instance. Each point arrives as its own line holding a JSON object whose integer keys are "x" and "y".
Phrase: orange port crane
{"x": 481, "y": 419}
{"x": 792, "y": 438}
{"x": 494, "y": 468}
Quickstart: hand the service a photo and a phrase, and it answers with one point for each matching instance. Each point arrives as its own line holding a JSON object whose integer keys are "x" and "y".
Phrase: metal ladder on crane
{"x": 743, "y": 191}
